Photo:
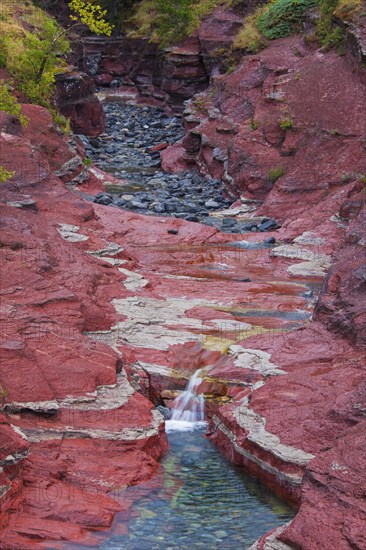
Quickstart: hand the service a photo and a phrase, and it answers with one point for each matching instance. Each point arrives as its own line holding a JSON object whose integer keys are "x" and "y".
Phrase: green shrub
{"x": 254, "y": 125}
{"x": 329, "y": 33}
{"x": 275, "y": 173}
{"x": 32, "y": 49}
{"x": 9, "y": 104}
{"x": 5, "y": 175}
{"x": 276, "y": 19}
{"x": 3, "y": 51}
{"x": 286, "y": 123}
{"x": 283, "y": 17}
{"x": 167, "y": 22}
{"x": 346, "y": 9}
{"x": 346, "y": 178}
{"x": 62, "y": 122}
{"x": 249, "y": 38}
{"x": 173, "y": 20}
{"x": 34, "y": 46}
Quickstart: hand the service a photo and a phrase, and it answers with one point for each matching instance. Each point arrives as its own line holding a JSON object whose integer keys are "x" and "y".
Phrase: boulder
{"x": 76, "y": 100}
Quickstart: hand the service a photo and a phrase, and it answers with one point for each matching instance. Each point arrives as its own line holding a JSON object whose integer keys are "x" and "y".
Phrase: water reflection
{"x": 198, "y": 500}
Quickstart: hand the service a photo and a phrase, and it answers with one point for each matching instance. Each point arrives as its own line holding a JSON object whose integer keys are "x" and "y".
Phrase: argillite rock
{"x": 76, "y": 100}
{"x": 106, "y": 313}
{"x": 165, "y": 78}
{"x": 261, "y": 128}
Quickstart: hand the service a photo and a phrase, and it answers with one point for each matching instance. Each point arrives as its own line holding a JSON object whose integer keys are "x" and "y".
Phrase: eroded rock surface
{"x": 104, "y": 308}
{"x": 136, "y": 67}
{"x": 286, "y": 128}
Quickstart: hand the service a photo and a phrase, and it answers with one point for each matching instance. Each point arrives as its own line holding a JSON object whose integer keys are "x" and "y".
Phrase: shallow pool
{"x": 197, "y": 500}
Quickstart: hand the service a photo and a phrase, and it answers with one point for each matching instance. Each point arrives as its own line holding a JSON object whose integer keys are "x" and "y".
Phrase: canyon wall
{"x": 286, "y": 133}
{"x": 166, "y": 77}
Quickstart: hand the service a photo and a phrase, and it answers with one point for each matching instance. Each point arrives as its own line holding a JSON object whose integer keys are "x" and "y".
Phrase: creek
{"x": 126, "y": 151}
{"x": 197, "y": 499}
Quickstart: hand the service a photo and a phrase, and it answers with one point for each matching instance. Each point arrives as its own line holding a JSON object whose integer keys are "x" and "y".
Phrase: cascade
{"x": 189, "y": 407}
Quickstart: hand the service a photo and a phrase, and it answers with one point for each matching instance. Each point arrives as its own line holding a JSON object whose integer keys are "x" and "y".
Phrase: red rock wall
{"x": 167, "y": 77}
{"x": 233, "y": 131}
{"x": 341, "y": 306}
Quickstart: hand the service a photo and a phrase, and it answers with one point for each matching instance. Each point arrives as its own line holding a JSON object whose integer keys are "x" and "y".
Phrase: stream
{"x": 125, "y": 150}
{"x": 197, "y": 499}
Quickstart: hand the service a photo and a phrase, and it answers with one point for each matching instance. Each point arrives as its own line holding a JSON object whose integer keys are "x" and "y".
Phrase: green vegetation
{"x": 283, "y": 17}
{"x": 346, "y": 178}
{"x": 249, "y": 38}
{"x": 5, "y": 175}
{"x": 4, "y": 393}
{"x": 253, "y": 124}
{"x": 34, "y": 46}
{"x": 275, "y": 173}
{"x": 62, "y": 122}
{"x": 276, "y": 19}
{"x": 201, "y": 103}
{"x": 87, "y": 162}
{"x": 329, "y": 34}
{"x": 166, "y": 22}
{"x": 346, "y": 9}
{"x": 91, "y": 15}
{"x": 9, "y": 103}
{"x": 286, "y": 123}
{"x": 30, "y": 51}
{"x": 280, "y": 18}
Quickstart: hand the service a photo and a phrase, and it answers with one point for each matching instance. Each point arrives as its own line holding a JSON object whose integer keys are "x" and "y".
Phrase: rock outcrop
{"x": 77, "y": 101}
{"x": 285, "y": 131}
{"x": 260, "y": 128}
{"x": 168, "y": 77}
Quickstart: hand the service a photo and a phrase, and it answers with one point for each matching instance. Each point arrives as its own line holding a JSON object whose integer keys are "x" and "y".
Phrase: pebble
{"x": 123, "y": 150}
{"x": 211, "y": 204}
{"x": 268, "y": 225}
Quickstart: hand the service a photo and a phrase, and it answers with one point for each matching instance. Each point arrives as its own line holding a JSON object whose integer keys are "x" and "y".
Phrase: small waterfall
{"x": 189, "y": 407}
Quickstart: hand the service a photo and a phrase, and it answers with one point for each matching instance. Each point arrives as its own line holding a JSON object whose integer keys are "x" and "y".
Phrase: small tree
{"x": 44, "y": 48}
{"x": 91, "y": 15}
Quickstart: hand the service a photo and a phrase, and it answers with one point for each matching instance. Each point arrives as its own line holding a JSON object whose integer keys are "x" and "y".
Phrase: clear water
{"x": 197, "y": 500}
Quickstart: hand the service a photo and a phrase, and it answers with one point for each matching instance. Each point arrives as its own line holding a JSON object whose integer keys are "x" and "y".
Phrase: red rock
{"x": 341, "y": 305}
{"x": 159, "y": 147}
{"x": 351, "y": 207}
{"x": 103, "y": 79}
{"x": 46, "y": 357}
{"x": 334, "y": 490}
{"x": 76, "y": 100}
{"x": 273, "y": 88}
{"x": 9, "y": 124}
{"x": 296, "y": 400}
